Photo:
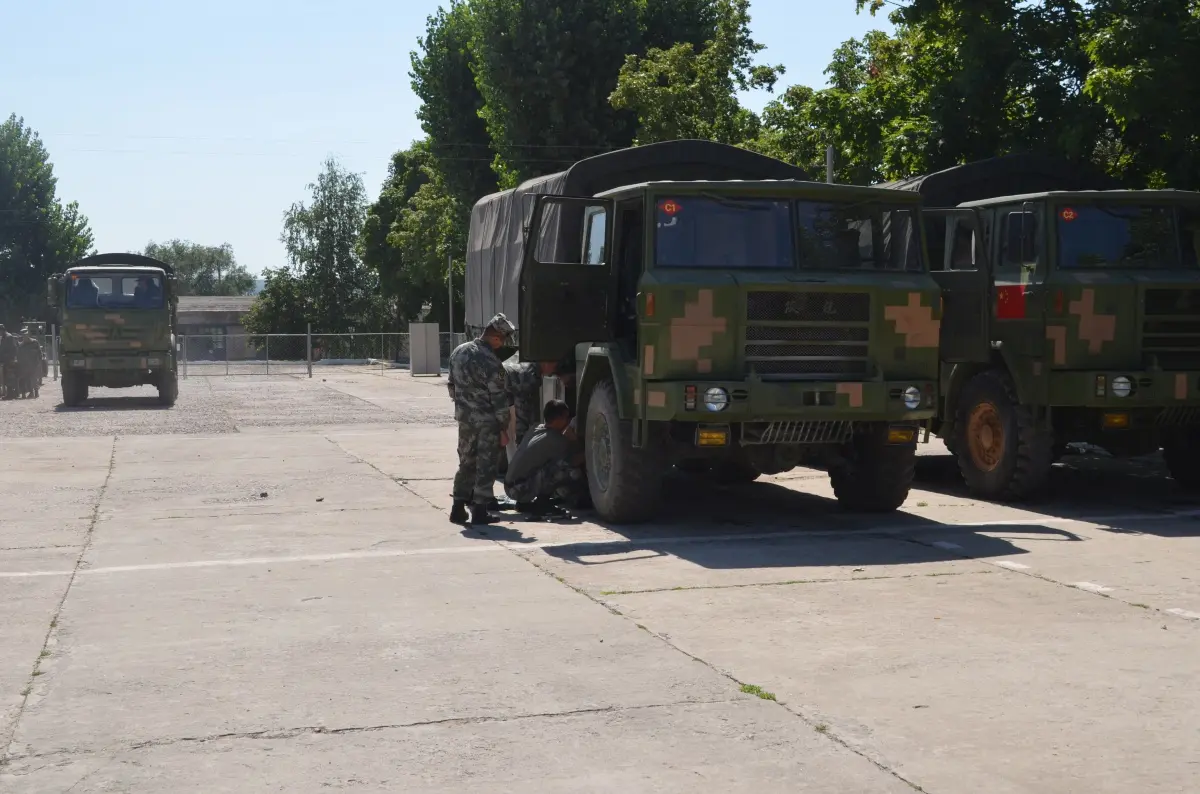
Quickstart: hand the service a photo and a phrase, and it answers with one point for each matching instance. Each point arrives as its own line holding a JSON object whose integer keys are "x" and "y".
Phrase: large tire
{"x": 1001, "y": 452}
{"x": 874, "y": 476}
{"x": 625, "y": 483}
{"x": 1182, "y": 456}
{"x": 74, "y": 389}
{"x": 168, "y": 389}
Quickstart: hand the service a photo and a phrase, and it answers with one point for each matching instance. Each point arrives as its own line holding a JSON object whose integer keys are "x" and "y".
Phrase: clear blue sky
{"x": 205, "y": 121}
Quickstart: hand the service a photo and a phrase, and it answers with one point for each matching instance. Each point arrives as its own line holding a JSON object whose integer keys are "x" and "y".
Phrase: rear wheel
{"x": 74, "y": 389}
{"x": 874, "y": 476}
{"x": 1001, "y": 452}
{"x": 168, "y": 388}
{"x": 1182, "y": 456}
{"x": 625, "y": 482}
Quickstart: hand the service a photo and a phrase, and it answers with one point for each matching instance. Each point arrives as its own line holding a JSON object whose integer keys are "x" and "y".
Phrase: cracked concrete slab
{"x": 998, "y": 683}
{"x": 745, "y": 745}
{"x": 380, "y": 641}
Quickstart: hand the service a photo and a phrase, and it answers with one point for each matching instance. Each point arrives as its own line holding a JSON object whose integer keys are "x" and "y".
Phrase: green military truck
{"x": 718, "y": 311}
{"x": 116, "y": 318}
{"x": 1072, "y": 314}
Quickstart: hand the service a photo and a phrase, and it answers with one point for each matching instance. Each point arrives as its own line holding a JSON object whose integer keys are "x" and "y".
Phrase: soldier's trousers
{"x": 558, "y": 478}
{"x": 479, "y": 453}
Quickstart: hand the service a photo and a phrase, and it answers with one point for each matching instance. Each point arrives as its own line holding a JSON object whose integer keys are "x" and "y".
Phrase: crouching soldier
{"x": 543, "y": 469}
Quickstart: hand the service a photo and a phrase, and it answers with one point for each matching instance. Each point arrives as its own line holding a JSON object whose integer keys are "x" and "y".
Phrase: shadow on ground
{"x": 1084, "y": 487}
{"x": 114, "y": 404}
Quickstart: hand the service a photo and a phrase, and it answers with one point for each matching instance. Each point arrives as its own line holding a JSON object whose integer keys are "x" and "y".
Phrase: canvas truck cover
{"x": 495, "y": 241}
{"x": 1010, "y": 175}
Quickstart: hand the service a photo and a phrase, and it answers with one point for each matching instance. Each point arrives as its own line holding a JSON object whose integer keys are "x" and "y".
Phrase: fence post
{"x": 268, "y": 354}
{"x": 308, "y": 340}
{"x": 226, "y": 346}
{"x": 54, "y": 349}
{"x": 185, "y": 355}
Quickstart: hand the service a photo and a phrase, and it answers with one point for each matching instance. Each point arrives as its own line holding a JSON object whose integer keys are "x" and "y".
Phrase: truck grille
{"x": 819, "y": 432}
{"x": 807, "y": 335}
{"x": 1171, "y": 328}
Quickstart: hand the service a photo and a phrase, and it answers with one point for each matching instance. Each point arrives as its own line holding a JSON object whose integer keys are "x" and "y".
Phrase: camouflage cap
{"x": 501, "y": 325}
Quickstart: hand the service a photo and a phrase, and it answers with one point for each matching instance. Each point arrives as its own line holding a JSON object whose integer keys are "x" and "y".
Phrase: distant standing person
{"x": 477, "y": 388}
{"x": 543, "y": 468}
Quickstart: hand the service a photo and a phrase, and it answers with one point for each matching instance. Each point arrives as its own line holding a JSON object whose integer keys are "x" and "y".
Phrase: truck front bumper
{"x": 792, "y": 401}
{"x": 1149, "y": 390}
{"x": 87, "y": 363}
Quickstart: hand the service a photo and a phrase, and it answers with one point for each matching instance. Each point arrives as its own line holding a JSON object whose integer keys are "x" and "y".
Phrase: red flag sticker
{"x": 1068, "y": 214}
{"x": 1010, "y": 302}
{"x": 669, "y": 206}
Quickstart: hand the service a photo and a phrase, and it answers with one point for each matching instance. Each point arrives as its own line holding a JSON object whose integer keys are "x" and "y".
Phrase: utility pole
{"x": 829, "y": 164}
{"x": 450, "y": 295}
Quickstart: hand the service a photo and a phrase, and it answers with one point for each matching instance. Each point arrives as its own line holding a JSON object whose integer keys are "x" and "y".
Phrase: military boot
{"x": 480, "y": 514}
{"x": 458, "y": 513}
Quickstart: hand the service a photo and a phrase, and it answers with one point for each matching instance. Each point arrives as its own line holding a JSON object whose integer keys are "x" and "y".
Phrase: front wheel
{"x": 168, "y": 389}
{"x": 874, "y": 476}
{"x": 1182, "y": 456}
{"x": 625, "y": 482}
{"x": 74, "y": 389}
{"x": 1002, "y": 454}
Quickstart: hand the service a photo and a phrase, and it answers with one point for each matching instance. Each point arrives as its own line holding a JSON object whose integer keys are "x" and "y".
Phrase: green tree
{"x": 39, "y": 235}
{"x": 686, "y": 91}
{"x": 327, "y": 283}
{"x": 1146, "y": 54}
{"x": 203, "y": 269}
{"x": 545, "y": 70}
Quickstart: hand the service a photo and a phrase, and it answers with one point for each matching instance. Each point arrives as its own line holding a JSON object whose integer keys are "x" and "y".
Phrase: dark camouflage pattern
{"x": 8, "y": 365}
{"x": 477, "y": 386}
{"x": 558, "y": 479}
{"x": 523, "y": 380}
{"x": 28, "y": 367}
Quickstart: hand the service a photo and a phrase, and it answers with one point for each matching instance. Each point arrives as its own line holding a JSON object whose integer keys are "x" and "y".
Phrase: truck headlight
{"x": 912, "y": 398}
{"x": 716, "y": 399}
{"x": 1122, "y": 386}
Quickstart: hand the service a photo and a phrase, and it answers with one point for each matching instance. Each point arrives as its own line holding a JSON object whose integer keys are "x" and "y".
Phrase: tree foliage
{"x": 203, "y": 269}
{"x": 39, "y": 235}
{"x": 325, "y": 283}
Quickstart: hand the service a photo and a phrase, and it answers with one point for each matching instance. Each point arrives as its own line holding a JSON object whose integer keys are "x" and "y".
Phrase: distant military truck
{"x": 1072, "y": 314}
{"x": 718, "y": 311}
{"x": 116, "y": 315}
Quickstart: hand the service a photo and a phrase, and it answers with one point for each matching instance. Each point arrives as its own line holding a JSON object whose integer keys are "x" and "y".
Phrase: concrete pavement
{"x": 280, "y": 605}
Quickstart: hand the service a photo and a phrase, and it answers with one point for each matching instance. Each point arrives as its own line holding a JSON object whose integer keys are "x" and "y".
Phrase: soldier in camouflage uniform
{"x": 523, "y": 380}
{"x": 29, "y": 365}
{"x": 477, "y": 387}
{"x": 544, "y": 468}
{"x": 8, "y": 364}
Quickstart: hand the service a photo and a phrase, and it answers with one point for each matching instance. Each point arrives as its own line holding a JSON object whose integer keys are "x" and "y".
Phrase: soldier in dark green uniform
{"x": 481, "y": 409}
{"x": 544, "y": 468}
{"x": 8, "y": 364}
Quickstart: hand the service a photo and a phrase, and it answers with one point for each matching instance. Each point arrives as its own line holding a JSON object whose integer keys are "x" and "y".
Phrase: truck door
{"x": 959, "y": 264}
{"x": 566, "y": 277}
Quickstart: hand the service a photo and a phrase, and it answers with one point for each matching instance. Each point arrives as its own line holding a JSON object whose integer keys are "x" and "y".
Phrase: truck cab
{"x": 1092, "y": 302}
{"x": 737, "y": 326}
{"x": 116, "y": 314}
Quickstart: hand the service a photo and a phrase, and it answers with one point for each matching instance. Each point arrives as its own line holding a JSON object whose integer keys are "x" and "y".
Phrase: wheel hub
{"x": 985, "y": 437}
{"x": 600, "y": 442}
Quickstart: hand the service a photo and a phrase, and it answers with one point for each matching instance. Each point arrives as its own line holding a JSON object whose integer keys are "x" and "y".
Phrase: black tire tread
{"x": 1034, "y": 450}
{"x": 879, "y": 478}
{"x": 635, "y": 484}
{"x": 1182, "y": 457}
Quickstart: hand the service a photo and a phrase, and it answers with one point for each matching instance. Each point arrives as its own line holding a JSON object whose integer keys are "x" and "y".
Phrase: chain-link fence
{"x": 289, "y": 354}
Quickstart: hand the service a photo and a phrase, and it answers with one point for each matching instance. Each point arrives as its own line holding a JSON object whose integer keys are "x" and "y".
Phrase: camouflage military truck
{"x": 718, "y": 311}
{"x": 1072, "y": 314}
{"x": 116, "y": 315}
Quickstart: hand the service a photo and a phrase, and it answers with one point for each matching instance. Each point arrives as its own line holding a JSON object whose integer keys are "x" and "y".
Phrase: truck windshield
{"x": 1127, "y": 236}
{"x": 114, "y": 291}
{"x": 863, "y": 236}
{"x": 715, "y": 232}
